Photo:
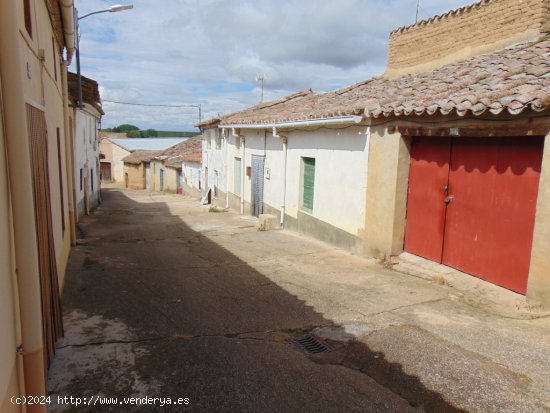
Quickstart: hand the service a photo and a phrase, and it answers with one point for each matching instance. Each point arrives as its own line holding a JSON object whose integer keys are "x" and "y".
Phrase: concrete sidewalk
{"x": 380, "y": 323}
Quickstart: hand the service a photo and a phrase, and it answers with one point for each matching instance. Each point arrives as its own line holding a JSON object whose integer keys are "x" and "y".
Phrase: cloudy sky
{"x": 208, "y": 52}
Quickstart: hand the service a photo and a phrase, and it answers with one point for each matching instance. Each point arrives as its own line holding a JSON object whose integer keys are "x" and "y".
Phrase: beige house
{"x": 135, "y": 169}
{"x": 165, "y": 171}
{"x": 444, "y": 156}
{"x": 36, "y": 206}
{"x": 114, "y": 150}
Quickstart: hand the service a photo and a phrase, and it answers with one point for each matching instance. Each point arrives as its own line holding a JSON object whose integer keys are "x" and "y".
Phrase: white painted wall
{"x": 192, "y": 174}
{"x": 117, "y": 165}
{"x": 214, "y": 158}
{"x": 341, "y": 157}
{"x": 86, "y": 156}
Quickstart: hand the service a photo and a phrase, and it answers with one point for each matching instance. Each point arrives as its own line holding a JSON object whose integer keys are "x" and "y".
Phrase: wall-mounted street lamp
{"x": 112, "y": 9}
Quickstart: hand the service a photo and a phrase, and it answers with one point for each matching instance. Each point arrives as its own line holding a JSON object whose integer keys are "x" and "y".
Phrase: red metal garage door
{"x": 488, "y": 225}
{"x": 428, "y": 179}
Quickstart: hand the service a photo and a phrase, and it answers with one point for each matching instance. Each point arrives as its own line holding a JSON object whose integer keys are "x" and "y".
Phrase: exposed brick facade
{"x": 485, "y": 26}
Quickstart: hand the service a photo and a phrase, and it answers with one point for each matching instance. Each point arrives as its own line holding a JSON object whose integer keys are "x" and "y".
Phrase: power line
{"x": 151, "y": 104}
{"x": 198, "y": 106}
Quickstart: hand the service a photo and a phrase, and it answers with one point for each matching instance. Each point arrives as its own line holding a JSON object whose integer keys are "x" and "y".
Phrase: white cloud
{"x": 208, "y": 52}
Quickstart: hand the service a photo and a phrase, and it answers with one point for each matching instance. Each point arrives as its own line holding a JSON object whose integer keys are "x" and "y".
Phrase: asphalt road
{"x": 154, "y": 308}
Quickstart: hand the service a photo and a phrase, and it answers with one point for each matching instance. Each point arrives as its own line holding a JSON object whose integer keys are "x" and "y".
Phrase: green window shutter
{"x": 309, "y": 183}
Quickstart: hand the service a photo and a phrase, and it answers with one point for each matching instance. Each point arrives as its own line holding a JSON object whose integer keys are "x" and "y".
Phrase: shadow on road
{"x": 159, "y": 308}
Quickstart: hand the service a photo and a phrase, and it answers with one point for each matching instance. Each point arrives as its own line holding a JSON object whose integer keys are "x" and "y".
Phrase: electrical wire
{"x": 151, "y": 104}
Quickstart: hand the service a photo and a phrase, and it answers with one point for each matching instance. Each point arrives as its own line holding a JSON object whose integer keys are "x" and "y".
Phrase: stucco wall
{"x": 136, "y": 176}
{"x": 389, "y": 160}
{"x": 340, "y": 173}
{"x": 45, "y": 91}
{"x": 8, "y": 343}
{"x": 86, "y": 156}
{"x": 538, "y": 287}
{"x": 192, "y": 175}
{"x": 117, "y": 165}
{"x": 214, "y": 159}
{"x": 171, "y": 179}
{"x": 32, "y": 74}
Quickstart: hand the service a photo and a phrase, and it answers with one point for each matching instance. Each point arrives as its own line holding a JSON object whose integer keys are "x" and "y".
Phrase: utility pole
{"x": 417, "y": 8}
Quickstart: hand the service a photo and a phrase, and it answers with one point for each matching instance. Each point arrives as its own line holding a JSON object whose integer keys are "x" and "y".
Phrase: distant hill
{"x": 176, "y": 134}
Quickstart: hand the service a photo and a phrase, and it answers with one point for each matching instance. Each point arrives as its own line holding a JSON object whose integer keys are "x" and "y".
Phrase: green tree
{"x": 125, "y": 128}
{"x": 134, "y": 134}
{"x": 151, "y": 133}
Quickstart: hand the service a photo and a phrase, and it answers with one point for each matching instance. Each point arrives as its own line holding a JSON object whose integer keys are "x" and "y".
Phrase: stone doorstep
{"x": 473, "y": 290}
{"x": 267, "y": 222}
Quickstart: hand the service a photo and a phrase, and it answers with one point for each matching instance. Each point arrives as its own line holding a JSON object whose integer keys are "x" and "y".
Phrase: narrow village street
{"x": 164, "y": 298}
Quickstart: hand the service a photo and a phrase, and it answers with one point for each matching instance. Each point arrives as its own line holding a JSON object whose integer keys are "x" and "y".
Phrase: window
{"x": 28, "y": 17}
{"x": 237, "y": 177}
{"x": 92, "y": 179}
{"x": 308, "y": 165}
{"x": 81, "y": 178}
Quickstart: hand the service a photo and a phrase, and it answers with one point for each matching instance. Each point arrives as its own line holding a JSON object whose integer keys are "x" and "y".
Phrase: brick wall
{"x": 482, "y": 27}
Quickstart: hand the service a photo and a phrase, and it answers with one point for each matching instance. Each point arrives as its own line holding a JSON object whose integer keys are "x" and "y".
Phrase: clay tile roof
{"x": 208, "y": 123}
{"x": 187, "y": 151}
{"x": 140, "y": 156}
{"x": 90, "y": 91}
{"x": 513, "y": 80}
{"x": 256, "y": 113}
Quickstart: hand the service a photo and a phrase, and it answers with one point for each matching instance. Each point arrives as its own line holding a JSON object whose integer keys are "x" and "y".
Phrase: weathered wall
{"x": 156, "y": 167}
{"x": 340, "y": 178}
{"x": 538, "y": 287}
{"x": 8, "y": 340}
{"x": 117, "y": 165}
{"x": 483, "y": 27}
{"x": 86, "y": 156}
{"x": 192, "y": 176}
{"x": 171, "y": 179}
{"x": 136, "y": 176}
{"x": 386, "y": 201}
{"x": 214, "y": 158}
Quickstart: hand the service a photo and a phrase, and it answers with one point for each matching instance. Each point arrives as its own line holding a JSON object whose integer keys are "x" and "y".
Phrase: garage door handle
{"x": 449, "y": 199}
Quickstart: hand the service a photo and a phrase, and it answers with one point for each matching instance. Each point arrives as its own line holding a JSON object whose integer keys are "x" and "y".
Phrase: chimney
{"x": 486, "y": 26}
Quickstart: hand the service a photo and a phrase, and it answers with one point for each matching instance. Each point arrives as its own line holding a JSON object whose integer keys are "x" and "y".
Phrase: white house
{"x": 86, "y": 126}
{"x": 310, "y": 175}
{"x": 214, "y": 163}
{"x": 414, "y": 162}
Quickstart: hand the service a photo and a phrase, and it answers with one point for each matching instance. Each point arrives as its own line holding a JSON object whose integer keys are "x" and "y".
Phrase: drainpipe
{"x": 69, "y": 28}
{"x": 69, "y": 155}
{"x": 69, "y": 32}
{"x": 243, "y": 163}
{"x": 224, "y": 134}
{"x": 284, "y": 139}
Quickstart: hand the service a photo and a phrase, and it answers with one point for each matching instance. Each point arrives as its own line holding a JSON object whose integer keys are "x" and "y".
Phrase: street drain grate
{"x": 311, "y": 344}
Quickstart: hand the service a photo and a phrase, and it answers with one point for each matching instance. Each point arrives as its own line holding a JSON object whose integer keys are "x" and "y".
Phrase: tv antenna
{"x": 417, "y": 8}
{"x": 260, "y": 78}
